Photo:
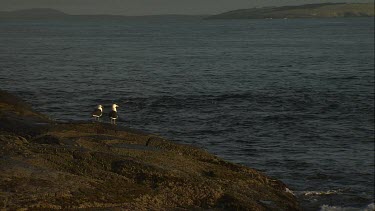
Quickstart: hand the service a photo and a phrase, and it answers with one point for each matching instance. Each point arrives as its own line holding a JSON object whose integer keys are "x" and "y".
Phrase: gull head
{"x": 114, "y": 106}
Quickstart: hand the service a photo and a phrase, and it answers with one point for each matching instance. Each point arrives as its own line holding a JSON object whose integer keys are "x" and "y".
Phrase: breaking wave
{"x": 370, "y": 207}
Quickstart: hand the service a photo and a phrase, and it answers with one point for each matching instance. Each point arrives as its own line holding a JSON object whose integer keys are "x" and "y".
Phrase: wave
{"x": 319, "y": 193}
{"x": 370, "y": 207}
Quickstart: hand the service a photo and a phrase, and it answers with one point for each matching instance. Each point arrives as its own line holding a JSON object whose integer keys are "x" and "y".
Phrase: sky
{"x": 153, "y": 7}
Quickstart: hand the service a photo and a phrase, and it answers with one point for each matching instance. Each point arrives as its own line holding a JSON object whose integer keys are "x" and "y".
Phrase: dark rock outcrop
{"x": 54, "y": 165}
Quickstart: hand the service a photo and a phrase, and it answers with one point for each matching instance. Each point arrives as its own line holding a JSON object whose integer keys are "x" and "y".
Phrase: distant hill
{"x": 46, "y": 13}
{"x": 327, "y": 10}
{"x": 33, "y": 13}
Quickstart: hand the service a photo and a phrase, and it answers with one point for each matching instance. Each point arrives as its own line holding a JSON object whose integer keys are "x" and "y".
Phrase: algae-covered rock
{"x": 54, "y": 165}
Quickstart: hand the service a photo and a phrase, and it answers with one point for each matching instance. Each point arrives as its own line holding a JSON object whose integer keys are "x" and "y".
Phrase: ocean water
{"x": 291, "y": 98}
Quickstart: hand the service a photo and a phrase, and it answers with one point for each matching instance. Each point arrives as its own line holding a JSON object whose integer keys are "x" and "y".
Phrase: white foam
{"x": 314, "y": 193}
{"x": 370, "y": 207}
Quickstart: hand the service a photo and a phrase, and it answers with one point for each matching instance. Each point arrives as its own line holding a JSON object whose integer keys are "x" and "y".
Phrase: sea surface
{"x": 291, "y": 98}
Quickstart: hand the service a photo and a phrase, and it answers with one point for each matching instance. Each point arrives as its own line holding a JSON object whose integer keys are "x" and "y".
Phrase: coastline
{"x": 53, "y": 165}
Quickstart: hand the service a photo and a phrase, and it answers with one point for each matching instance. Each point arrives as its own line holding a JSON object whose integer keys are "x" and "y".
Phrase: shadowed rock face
{"x": 53, "y": 165}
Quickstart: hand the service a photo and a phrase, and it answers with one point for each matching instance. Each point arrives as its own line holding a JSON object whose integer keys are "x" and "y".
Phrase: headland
{"x": 45, "y": 164}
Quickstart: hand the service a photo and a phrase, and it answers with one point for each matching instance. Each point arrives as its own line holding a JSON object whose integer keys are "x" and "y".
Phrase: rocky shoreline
{"x": 54, "y": 165}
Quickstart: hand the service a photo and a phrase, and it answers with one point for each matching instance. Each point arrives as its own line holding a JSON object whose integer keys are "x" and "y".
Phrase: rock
{"x": 54, "y": 165}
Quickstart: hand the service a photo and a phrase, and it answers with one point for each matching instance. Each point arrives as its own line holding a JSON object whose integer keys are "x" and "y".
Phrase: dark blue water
{"x": 292, "y": 98}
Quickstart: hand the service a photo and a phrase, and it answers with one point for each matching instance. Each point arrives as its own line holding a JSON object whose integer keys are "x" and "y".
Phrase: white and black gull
{"x": 97, "y": 113}
{"x": 113, "y": 114}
